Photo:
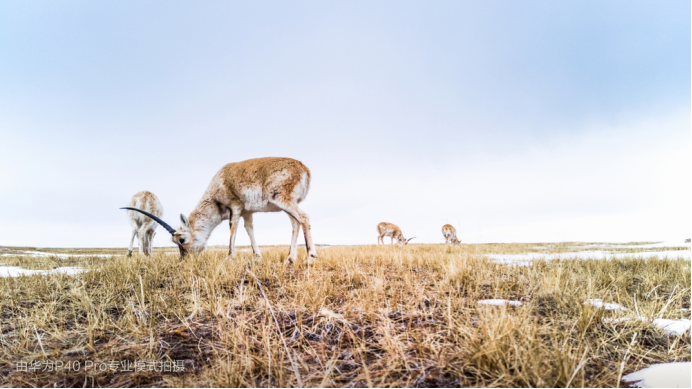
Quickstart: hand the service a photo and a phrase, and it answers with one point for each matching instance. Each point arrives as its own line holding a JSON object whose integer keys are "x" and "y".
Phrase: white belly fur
{"x": 253, "y": 201}
{"x": 253, "y": 198}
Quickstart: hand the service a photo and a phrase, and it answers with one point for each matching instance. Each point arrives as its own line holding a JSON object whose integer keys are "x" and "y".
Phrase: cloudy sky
{"x": 513, "y": 121}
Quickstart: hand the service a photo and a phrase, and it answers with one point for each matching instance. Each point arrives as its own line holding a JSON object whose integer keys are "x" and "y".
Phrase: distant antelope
{"x": 450, "y": 234}
{"x": 142, "y": 226}
{"x": 393, "y": 232}
{"x": 241, "y": 189}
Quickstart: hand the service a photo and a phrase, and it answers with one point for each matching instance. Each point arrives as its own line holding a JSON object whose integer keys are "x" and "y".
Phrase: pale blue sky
{"x": 514, "y": 121}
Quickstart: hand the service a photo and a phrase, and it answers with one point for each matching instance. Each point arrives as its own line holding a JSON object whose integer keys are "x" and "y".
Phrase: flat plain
{"x": 359, "y": 316}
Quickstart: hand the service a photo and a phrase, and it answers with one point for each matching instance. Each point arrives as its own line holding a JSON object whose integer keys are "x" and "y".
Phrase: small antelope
{"x": 142, "y": 226}
{"x": 241, "y": 189}
{"x": 393, "y": 232}
{"x": 450, "y": 234}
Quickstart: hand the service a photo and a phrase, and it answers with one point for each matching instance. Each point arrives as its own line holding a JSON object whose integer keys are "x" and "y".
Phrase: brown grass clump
{"x": 361, "y": 316}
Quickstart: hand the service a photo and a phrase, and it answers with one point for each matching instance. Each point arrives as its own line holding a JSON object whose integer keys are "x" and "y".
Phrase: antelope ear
{"x": 184, "y": 220}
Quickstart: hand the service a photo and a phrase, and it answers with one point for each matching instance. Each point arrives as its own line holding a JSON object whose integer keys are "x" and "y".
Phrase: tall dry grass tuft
{"x": 360, "y": 316}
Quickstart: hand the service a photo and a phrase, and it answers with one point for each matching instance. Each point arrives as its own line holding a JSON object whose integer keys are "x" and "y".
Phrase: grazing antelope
{"x": 393, "y": 232}
{"x": 241, "y": 189}
{"x": 450, "y": 234}
{"x": 142, "y": 226}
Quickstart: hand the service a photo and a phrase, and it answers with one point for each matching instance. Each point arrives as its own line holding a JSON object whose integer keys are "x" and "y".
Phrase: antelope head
{"x": 403, "y": 242}
{"x": 183, "y": 237}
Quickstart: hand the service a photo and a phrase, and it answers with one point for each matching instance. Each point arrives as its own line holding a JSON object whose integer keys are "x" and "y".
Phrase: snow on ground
{"x": 615, "y": 246}
{"x": 640, "y": 246}
{"x": 59, "y": 255}
{"x": 662, "y": 375}
{"x": 658, "y": 244}
{"x": 673, "y": 327}
{"x": 598, "y": 303}
{"x": 528, "y": 258}
{"x": 16, "y": 271}
{"x": 499, "y": 302}
{"x": 669, "y": 326}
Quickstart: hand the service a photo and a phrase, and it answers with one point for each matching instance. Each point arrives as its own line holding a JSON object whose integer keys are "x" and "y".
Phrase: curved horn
{"x": 409, "y": 239}
{"x": 161, "y": 222}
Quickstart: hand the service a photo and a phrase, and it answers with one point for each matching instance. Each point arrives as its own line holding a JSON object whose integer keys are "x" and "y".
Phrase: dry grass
{"x": 361, "y": 316}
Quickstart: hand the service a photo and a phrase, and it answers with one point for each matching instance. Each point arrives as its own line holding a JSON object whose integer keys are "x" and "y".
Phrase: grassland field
{"x": 360, "y": 316}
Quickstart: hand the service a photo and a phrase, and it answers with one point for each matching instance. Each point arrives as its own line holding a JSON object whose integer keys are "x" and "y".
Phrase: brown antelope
{"x": 393, "y": 232}
{"x": 241, "y": 189}
{"x": 450, "y": 234}
{"x": 142, "y": 226}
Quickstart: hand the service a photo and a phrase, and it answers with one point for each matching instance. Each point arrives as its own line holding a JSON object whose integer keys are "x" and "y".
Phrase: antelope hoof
{"x": 129, "y": 253}
{"x": 289, "y": 261}
{"x": 255, "y": 258}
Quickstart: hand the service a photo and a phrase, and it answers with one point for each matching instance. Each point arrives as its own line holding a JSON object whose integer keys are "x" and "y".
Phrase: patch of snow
{"x": 59, "y": 255}
{"x": 661, "y": 375}
{"x": 528, "y": 258}
{"x": 598, "y": 303}
{"x": 654, "y": 245}
{"x": 622, "y": 319}
{"x": 500, "y": 302}
{"x": 638, "y": 246}
{"x": 16, "y": 271}
{"x": 673, "y": 327}
{"x": 670, "y": 254}
{"x": 515, "y": 259}
{"x": 669, "y": 326}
